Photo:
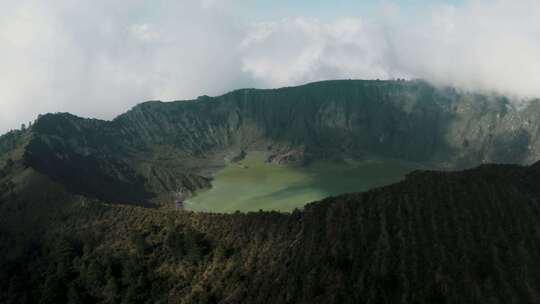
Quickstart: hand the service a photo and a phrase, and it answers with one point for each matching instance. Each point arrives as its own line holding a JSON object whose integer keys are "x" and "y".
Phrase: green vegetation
{"x": 12, "y": 146}
{"x": 253, "y": 184}
{"x": 146, "y": 154}
{"x": 79, "y": 198}
{"x": 466, "y": 237}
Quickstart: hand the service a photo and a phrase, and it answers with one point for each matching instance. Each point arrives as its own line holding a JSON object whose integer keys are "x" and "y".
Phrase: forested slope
{"x": 75, "y": 226}
{"x": 461, "y": 237}
{"x": 146, "y": 155}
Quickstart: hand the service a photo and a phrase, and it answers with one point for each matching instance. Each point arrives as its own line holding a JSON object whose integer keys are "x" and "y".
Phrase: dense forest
{"x": 87, "y": 206}
{"x": 463, "y": 237}
{"x": 144, "y": 155}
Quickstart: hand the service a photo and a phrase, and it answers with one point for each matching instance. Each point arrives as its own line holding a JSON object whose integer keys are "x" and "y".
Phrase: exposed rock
{"x": 294, "y": 156}
{"x": 435, "y": 237}
{"x": 157, "y": 146}
{"x": 239, "y": 157}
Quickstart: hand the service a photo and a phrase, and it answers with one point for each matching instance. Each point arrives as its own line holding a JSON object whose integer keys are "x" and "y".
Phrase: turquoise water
{"x": 253, "y": 184}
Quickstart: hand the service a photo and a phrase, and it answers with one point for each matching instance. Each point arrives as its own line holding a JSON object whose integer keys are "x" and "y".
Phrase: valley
{"x": 253, "y": 184}
{"x": 370, "y": 191}
{"x": 147, "y": 154}
{"x": 270, "y": 152}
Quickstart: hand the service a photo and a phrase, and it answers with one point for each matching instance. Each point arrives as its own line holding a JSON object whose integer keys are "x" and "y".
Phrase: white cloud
{"x": 293, "y": 51}
{"x": 98, "y": 58}
{"x": 481, "y": 45}
{"x": 145, "y": 32}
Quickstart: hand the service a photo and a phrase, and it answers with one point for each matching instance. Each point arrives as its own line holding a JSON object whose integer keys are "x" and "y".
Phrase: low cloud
{"x": 98, "y": 58}
{"x": 294, "y": 51}
{"x": 479, "y": 45}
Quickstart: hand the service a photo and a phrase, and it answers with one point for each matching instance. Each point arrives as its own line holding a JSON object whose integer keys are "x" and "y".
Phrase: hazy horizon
{"x": 99, "y": 59}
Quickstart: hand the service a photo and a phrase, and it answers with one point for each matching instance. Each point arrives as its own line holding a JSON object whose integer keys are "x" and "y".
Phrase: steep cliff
{"x": 436, "y": 237}
{"x": 157, "y": 148}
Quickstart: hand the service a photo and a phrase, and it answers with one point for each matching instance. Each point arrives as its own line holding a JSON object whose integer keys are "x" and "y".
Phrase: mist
{"x": 99, "y": 58}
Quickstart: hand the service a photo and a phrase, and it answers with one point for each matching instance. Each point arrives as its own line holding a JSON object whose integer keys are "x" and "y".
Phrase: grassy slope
{"x": 12, "y": 145}
{"x": 467, "y": 237}
{"x": 157, "y": 148}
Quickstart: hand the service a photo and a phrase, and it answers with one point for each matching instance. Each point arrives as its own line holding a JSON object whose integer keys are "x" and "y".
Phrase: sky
{"x": 99, "y": 58}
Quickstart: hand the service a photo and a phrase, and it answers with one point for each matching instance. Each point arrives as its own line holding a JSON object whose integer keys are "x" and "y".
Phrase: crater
{"x": 254, "y": 184}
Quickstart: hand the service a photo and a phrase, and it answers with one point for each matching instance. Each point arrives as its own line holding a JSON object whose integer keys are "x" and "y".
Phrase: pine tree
{"x": 74, "y": 295}
{"x": 111, "y": 290}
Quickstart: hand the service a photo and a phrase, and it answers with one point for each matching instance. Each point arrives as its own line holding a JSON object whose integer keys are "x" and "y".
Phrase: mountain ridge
{"x": 435, "y": 237}
{"x": 157, "y": 147}
{"x": 77, "y": 198}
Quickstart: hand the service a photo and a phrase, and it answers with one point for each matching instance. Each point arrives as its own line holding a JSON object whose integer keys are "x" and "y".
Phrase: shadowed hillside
{"x": 148, "y": 153}
{"x": 463, "y": 237}
{"x": 75, "y": 226}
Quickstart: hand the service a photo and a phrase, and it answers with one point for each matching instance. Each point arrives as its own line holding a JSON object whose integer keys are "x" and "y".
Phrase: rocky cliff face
{"x": 157, "y": 147}
{"x": 436, "y": 237}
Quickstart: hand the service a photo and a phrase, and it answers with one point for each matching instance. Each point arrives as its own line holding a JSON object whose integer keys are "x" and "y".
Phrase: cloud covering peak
{"x": 101, "y": 57}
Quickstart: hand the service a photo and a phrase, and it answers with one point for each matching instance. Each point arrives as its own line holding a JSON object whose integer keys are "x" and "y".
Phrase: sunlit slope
{"x": 253, "y": 184}
{"x": 147, "y": 154}
{"x": 436, "y": 237}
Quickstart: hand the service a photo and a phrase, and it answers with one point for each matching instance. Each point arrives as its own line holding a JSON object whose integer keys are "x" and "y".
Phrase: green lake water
{"x": 253, "y": 184}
